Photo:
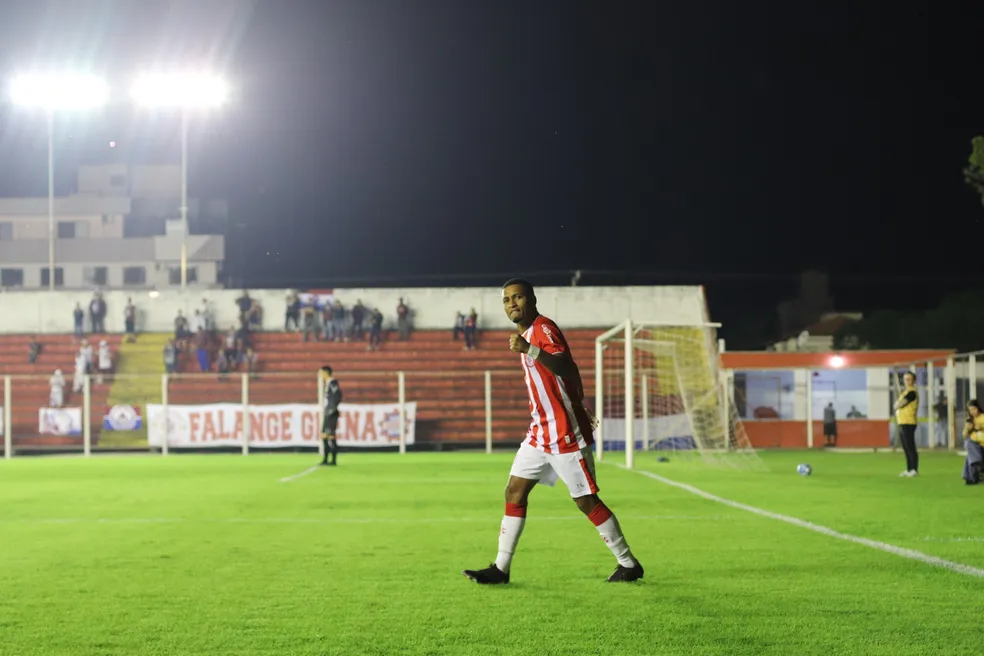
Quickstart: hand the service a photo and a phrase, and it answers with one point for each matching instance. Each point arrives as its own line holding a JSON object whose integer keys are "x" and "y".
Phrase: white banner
{"x": 277, "y": 426}
{"x": 1, "y": 420}
{"x": 60, "y": 421}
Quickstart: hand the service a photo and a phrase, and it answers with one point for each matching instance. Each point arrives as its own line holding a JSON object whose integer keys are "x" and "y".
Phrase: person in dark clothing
{"x": 906, "y": 416}
{"x": 330, "y": 402}
{"x": 829, "y": 425}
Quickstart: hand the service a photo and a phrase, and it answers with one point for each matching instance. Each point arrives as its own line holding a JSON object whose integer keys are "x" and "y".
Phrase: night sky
{"x": 727, "y": 143}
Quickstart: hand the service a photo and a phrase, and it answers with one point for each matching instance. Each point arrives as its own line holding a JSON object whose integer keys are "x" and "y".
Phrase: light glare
{"x": 836, "y": 362}
{"x": 192, "y": 90}
{"x": 59, "y": 91}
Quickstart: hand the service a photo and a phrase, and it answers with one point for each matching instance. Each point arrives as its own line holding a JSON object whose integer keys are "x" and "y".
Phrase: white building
{"x": 121, "y": 228}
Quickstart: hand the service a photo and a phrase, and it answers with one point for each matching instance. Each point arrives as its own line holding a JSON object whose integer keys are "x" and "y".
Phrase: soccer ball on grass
{"x": 804, "y": 469}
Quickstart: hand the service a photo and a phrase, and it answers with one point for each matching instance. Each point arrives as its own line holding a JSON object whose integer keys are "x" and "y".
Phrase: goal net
{"x": 660, "y": 388}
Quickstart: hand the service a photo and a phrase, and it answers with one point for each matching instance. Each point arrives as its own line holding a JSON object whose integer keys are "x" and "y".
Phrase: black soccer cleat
{"x": 624, "y": 574}
{"x": 491, "y": 575}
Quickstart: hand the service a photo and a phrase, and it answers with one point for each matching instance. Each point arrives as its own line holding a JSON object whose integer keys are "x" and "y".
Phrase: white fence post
{"x": 321, "y": 414}
{"x": 8, "y": 428}
{"x": 629, "y": 397}
{"x": 931, "y": 405}
{"x": 488, "y": 411}
{"x": 246, "y": 421}
{"x": 87, "y": 416}
{"x": 401, "y": 387}
{"x": 599, "y": 398}
{"x": 167, "y": 436}
{"x": 951, "y": 399}
{"x": 809, "y": 408}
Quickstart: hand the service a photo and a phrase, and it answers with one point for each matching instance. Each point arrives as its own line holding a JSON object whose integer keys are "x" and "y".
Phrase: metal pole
{"x": 488, "y": 411}
{"x": 401, "y": 385}
{"x": 599, "y": 398}
{"x": 8, "y": 428}
{"x": 184, "y": 199}
{"x": 629, "y": 397}
{"x": 164, "y": 441}
{"x": 51, "y": 201}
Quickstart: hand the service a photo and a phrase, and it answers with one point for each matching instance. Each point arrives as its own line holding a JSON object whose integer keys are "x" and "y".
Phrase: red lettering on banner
{"x": 257, "y": 428}
{"x": 208, "y": 430}
{"x": 195, "y": 424}
{"x": 237, "y": 425}
{"x": 369, "y": 432}
{"x": 351, "y": 431}
{"x": 309, "y": 426}
{"x": 285, "y": 426}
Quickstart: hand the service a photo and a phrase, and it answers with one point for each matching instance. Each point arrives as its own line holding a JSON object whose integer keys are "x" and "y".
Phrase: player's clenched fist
{"x": 518, "y": 345}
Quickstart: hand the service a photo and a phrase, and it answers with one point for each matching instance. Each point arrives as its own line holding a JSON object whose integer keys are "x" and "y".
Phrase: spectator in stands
{"x": 33, "y": 350}
{"x": 403, "y": 320}
{"x": 78, "y": 382}
{"x": 471, "y": 330}
{"x": 230, "y": 345}
{"x": 249, "y": 360}
{"x": 375, "y": 330}
{"x": 97, "y": 313}
{"x": 197, "y": 323}
{"x": 86, "y": 353}
{"x": 244, "y": 303}
{"x": 170, "y": 357}
{"x": 358, "y": 316}
{"x": 130, "y": 320}
{"x": 56, "y": 394}
{"x": 201, "y": 349}
{"x": 254, "y": 316}
{"x": 105, "y": 362}
{"x": 830, "y": 425}
{"x": 940, "y": 427}
{"x": 222, "y": 364}
{"x": 340, "y": 319}
{"x": 309, "y": 322}
{"x": 973, "y": 433}
{"x": 79, "y": 316}
{"x": 459, "y": 325}
{"x": 327, "y": 322}
{"x": 207, "y": 315}
{"x": 293, "y": 313}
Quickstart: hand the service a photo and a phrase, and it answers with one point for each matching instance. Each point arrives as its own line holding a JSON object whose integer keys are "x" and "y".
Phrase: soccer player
{"x": 906, "y": 416}
{"x": 332, "y": 398}
{"x": 558, "y": 443}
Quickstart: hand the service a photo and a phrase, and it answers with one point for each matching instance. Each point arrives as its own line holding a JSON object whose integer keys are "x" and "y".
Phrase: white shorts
{"x": 575, "y": 469}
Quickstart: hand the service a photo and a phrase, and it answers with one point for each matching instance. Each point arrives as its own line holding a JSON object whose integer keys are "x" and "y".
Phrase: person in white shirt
{"x": 105, "y": 361}
{"x": 56, "y": 398}
{"x": 86, "y": 353}
{"x": 78, "y": 382}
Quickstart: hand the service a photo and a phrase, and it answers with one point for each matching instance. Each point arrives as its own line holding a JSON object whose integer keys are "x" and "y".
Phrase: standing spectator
{"x": 201, "y": 349}
{"x": 244, "y": 303}
{"x": 328, "y": 322}
{"x": 340, "y": 332}
{"x": 130, "y": 320}
{"x": 197, "y": 323}
{"x": 403, "y": 320}
{"x": 181, "y": 332}
{"x": 231, "y": 340}
{"x": 170, "y": 357}
{"x": 471, "y": 327}
{"x": 207, "y": 315}
{"x": 293, "y": 313}
{"x": 222, "y": 364}
{"x": 830, "y": 425}
{"x": 459, "y": 325}
{"x": 309, "y": 322}
{"x": 33, "y": 350}
{"x": 97, "y": 313}
{"x": 375, "y": 330}
{"x": 56, "y": 394}
{"x": 358, "y": 316}
{"x": 78, "y": 315}
{"x": 86, "y": 353}
{"x": 940, "y": 427}
{"x": 906, "y": 416}
{"x": 81, "y": 368}
{"x": 105, "y": 362}
{"x": 250, "y": 359}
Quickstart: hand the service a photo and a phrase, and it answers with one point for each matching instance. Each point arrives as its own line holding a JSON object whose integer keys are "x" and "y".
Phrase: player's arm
{"x": 559, "y": 362}
{"x": 905, "y": 400}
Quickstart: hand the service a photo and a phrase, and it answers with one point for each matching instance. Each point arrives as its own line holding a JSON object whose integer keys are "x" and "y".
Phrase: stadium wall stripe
{"x": 902, "y": 552}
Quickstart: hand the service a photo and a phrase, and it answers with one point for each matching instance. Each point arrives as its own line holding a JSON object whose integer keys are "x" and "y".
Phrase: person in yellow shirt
{"x": 973, "y": 433}
{"x": 906, "y": 416}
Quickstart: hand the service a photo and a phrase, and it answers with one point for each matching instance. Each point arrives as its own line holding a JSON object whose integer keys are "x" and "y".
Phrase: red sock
{"x": 515, "y": 510}
{"x": 600, "y": 514}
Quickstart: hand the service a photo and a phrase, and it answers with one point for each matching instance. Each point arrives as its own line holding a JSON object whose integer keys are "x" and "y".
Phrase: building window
{"x": 174, "y": 275}
{"x": 66, "y": 229}
{"x": 765, "y": 394}
{"x": 11, "y": 277}
{"x": 59, "y": 277}
{"x": 6, "y": 231}
{"x": 96, "y": 275}
{"x": 134, "y": 276}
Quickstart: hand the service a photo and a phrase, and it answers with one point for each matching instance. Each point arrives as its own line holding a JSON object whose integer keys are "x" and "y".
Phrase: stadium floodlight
{"x": 186, "y": 92}
{"x": 57, "y": 92}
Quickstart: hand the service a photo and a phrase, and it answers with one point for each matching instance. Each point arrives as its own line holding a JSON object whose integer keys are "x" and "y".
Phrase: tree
{"x": 974, "y": 173}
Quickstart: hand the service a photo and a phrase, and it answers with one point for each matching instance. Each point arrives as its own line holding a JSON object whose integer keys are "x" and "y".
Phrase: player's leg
{"x": 529, "y": 468}
{"x": 328, "y": 426}
{"x": 577, "y": 470}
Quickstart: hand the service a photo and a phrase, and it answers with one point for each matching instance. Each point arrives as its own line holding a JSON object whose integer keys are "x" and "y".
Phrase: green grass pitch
{"x": 213, "y": 554}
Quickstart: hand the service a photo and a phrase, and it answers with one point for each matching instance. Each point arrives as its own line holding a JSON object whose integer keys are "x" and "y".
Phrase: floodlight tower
{"x": 57, "y": 92}
{"x": 187, "y": 92}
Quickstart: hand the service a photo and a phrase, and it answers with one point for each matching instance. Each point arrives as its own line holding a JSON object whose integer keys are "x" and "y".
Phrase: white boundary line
{"x": 574, "y": 516}
{"x": 294, "y": 477}
{"x": 823, "y": 530}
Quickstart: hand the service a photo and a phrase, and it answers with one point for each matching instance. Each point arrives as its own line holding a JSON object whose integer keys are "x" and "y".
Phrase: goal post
{"x": 659, "y": 387}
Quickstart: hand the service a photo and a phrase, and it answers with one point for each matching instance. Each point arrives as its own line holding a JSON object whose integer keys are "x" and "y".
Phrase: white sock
{"x": 512, "y": 528}
{"x": 611, "y": 533}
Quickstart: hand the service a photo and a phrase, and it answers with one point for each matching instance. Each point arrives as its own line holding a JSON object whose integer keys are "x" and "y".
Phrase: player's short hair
{"x": 527, "y": 285}
{"x": 909, "y": 373}
{"x": 326, "y": 369}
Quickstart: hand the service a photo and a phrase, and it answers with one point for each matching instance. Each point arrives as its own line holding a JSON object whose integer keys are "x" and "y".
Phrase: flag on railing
{"x": 122, "y": 417}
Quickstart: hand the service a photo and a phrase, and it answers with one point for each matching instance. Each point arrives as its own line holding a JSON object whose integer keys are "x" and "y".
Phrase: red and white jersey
{"x": 560, "y": 423}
